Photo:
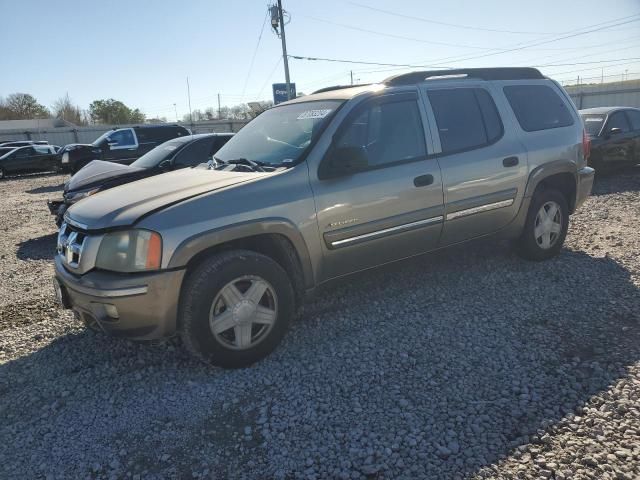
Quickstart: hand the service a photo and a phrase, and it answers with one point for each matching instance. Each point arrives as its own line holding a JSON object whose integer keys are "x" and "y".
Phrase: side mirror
{"x": 615, "y": 131}
{"x": 165, "y": 165}
{"x": 344, "y": 161}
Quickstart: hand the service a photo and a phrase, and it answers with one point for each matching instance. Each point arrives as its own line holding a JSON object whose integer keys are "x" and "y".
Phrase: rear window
{"x": 593, "y": 124}
{"x": 538, "y": 107}
{"x": 467, "y": 118}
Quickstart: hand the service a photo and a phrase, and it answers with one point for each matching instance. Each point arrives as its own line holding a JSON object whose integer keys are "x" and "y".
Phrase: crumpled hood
{"x": 124, "y": 205}
{"x": 98, "y": 171}
{"x": 74, "y": 146}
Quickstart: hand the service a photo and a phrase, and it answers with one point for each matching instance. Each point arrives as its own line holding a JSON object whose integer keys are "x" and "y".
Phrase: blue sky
{"x": 141, "y": 51}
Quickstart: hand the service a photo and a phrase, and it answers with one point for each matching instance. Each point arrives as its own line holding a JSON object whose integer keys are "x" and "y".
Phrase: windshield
{"x": 5, "y": 151}
{"x": 279, "y": 135}
{"x": 162, "y": 152}
{"x": 593, "y": 124}
{"x": 101, "y": 138}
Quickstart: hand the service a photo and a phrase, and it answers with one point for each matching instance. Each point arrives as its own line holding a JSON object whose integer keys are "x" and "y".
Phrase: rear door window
{"x": 467, "y": 118}
{"x": 618, "y": 120}
{"x": 634, "y": 118}
{"x": 538, "y": 107}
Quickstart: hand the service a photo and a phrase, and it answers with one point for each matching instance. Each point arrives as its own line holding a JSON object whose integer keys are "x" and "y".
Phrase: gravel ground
{"x": 470, "y": 363}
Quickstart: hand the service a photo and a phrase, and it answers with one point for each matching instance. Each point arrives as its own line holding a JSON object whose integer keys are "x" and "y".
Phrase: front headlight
{"x": 73, "y": 197}
{"x": 130, "y": 251}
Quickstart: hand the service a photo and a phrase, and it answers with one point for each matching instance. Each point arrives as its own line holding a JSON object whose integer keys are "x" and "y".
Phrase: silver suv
{"x": 320, "y": 187}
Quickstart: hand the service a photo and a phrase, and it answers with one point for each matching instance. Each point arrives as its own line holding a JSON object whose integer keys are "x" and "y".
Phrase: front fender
{"x": 202, "y": 241}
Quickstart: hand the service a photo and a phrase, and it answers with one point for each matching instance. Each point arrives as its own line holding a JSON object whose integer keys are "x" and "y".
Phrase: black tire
{"x": 206, "y": 282}
{"x": 527, "y": 245}
{"x": 2, "y": 174}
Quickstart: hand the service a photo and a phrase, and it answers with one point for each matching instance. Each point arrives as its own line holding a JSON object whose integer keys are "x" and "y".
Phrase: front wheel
{"x": 546, "y": 226}
{"x": 235, "y": 308}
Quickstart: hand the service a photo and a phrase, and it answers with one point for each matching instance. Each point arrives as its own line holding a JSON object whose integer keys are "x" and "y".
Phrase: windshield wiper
{"x": 255, "y": 165}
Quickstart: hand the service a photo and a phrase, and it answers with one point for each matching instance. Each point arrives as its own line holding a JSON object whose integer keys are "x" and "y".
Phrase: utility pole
{"x": 277, "y": 19}
{"x": 219, "y": 109}
{"x": 351, "y": 77}
{"x": 175, "y": 109}
{"x": 189, "y": 97}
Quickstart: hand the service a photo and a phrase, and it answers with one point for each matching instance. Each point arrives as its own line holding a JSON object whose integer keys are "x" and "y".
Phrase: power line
{"x": 268, "y": 78}
{"x": 404, "y": 65}
{"x": 454, "y": 25}
{"x": 255, "y": 51}
{"x": 391, "y": 35}
{"x": 544, "y": 42}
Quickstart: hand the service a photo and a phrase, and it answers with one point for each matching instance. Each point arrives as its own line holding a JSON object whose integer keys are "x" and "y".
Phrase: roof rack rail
{"x": 340, "y": 87}
{"x": 503, "y": 73}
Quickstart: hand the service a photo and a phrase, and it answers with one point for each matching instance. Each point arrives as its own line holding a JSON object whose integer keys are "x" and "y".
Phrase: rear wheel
{"x": 1, "y": 173}
{"x": 546, "y": 226}
{"x": 235, "y": 308}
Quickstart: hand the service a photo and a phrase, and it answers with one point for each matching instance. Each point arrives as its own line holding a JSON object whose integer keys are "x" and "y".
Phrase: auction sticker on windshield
{"x": 314, "y": 114}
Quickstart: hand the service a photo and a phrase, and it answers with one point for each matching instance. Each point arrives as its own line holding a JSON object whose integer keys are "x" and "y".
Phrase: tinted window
{"x": 24, "y": 152}
{"x": 162, "y": 152}
{"x": 466, "y": 118}
{"x": 200, "y": 151}
{"x": 43, "y": 150}
{"x": 618, "y": 120}
{"x": 122, "y": 138}
{"x": 492, "y": 122}
{"x": 389, "y": 132}
{"x": 634, "y": 118}
{"x": 538, "y": 107}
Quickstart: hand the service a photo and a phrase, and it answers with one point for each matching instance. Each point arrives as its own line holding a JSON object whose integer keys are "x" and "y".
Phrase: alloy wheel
{"x": 548, "y": 225}
{"x": 243, "y": 312}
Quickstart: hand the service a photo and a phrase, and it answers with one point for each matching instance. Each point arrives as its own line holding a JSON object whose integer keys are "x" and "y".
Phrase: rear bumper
{"x": 585, "y": 184}
{"x": 141, "y": 306}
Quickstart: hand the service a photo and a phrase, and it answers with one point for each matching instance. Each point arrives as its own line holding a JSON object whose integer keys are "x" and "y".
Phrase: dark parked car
{"x": 32, "y": 158}
{"x": 122, "y": 145}
{"x": 615, "y": 136}
{"x": 172, "y": 155}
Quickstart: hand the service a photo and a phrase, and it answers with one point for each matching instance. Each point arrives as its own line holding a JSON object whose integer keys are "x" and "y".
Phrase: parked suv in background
{"x": 122, "y": 145}
{"x": 318, "y": 188}
{"x": 174, "y": 154}
{"x": 615, "y": 136}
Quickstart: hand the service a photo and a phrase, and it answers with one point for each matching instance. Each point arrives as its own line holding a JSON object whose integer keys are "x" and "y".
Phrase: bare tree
{"x": 64, "y": 109}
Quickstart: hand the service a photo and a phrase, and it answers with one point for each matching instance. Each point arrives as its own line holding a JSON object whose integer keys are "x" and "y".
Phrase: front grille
{"x": 70, "y": 245}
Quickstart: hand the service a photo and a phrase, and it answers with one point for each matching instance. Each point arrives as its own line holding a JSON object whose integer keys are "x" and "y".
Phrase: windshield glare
{"x": 592, "y": 124}
{"x": 279, "y": 135}
{"x": 162, "y": 152}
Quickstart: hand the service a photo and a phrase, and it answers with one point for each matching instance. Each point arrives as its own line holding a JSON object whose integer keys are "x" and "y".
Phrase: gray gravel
{"x": 470, "y": 363}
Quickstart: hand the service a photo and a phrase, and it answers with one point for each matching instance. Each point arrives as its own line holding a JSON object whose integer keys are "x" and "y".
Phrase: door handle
{"x": 423, "y": 180}
{"x": 510, "y": 161}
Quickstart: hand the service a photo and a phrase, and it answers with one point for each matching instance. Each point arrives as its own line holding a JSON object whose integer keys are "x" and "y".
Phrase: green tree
{"x": 115, "y": 112}
{"x": 22, "y": 106}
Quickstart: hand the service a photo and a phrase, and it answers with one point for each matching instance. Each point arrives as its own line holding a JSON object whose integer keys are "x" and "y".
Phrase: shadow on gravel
{"x": 46, "y": 189}
{"x": 23, "y": 176}
{"x": 434, "y": 367}
{"x": 41, "y": 248}
{"x": 626, "y": 179}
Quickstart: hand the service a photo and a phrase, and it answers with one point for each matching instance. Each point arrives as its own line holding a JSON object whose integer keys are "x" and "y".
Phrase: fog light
{"x": 111, "y": 310}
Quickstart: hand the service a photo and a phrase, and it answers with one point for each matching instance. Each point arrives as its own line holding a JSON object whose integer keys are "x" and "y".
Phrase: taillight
{"x": 586, "y": 145}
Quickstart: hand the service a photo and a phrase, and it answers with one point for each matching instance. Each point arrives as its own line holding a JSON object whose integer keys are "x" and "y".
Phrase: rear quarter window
{"x": 538, "y": 107}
